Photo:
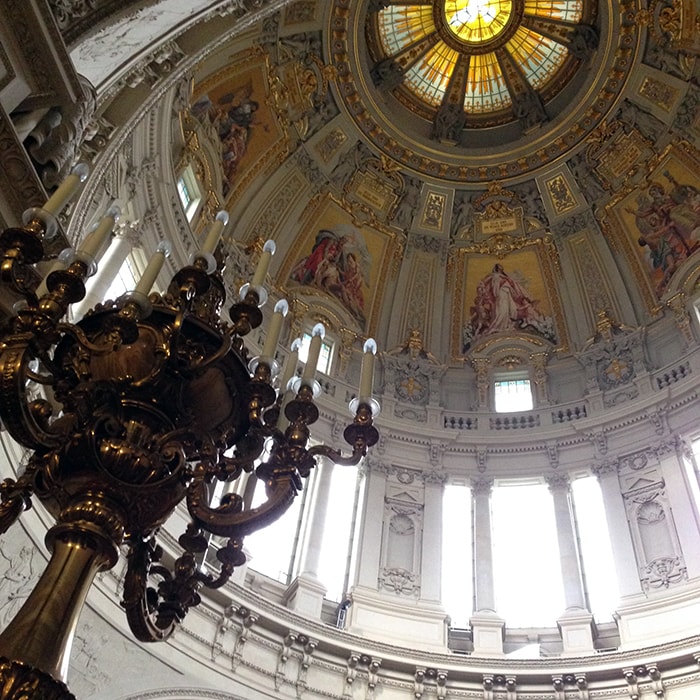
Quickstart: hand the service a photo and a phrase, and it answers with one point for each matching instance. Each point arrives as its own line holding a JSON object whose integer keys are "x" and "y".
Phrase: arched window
{"x": 271, "y": 550}
{"x": 279, "y": 550}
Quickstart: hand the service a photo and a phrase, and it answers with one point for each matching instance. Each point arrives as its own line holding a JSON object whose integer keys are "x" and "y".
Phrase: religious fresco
{"x": 341, "y": 259}
{"x": 661, "y": 219}
{"x": 233, "y": 109}
{"x": 505, "y": 296}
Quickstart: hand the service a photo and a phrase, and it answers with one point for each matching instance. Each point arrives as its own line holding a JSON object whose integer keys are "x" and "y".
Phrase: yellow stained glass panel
{"x": 564, "y": 10}
{"x": 430, "y": 76}
{"x": 402, "y": 25}
{"x": 538, "y": 56}
{"x": 486, "y": 88}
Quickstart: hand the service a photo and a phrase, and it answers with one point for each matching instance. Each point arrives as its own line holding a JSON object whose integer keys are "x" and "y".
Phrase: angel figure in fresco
{"x": 503, "y": 304}
{"x": 338, "y": 264}
{"x": 231, "y": 118}
{"x": 669, "y": 227}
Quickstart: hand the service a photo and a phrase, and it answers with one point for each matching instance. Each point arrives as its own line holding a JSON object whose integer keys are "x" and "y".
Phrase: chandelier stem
{"x": 40, "y": 636}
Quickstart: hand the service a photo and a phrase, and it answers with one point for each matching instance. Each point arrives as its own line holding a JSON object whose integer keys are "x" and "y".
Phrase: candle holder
{"x": 372, "y": 405}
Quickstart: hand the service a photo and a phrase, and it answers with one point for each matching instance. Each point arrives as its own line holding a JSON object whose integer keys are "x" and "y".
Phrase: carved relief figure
{"x": 503, "y": 304}
{"x": 17, "y": 582}
{"x": 54, "y": 143}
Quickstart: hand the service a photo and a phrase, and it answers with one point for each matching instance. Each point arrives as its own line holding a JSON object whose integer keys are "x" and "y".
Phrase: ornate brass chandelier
{"x": 146, "y": 402}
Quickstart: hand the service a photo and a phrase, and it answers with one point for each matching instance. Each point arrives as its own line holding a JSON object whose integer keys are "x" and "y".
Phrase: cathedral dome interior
{"x": 504, "y": 197}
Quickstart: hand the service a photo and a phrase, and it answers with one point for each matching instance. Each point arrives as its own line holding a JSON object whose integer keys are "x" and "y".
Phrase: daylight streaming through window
{"x": 457, "y": 588}
{"x": 512, "y": 395}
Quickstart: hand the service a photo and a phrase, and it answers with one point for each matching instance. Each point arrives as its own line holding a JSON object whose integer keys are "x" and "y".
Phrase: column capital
{"x": 558, "y": 482}
{"x": 605, "y": 469}
{"x": 481, "y": 485}
{"x": 378, "y": 466}
{"x": 434, "y": 477}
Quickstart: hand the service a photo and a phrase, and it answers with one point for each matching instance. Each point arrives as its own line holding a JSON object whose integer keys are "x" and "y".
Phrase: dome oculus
{"x": 477, "y": 21}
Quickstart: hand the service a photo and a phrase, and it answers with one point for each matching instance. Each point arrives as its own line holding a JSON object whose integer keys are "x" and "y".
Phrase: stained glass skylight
{"x": 483, "y": 55}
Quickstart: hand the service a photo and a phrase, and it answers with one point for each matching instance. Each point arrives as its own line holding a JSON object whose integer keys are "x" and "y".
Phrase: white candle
{"x": 367, "y": 370}
{"x": 214, "y": 235}
{"x": 275, "y": 328}
{"x": 263, "y": 264}
{"x": 92, "y": 243}
{"x": 290, "y": 366}
{"x": 309, "y": 373}
{"x": 66, "y": 189}
{"x": 152, "y": 269}
{"x": 282, "y": 420}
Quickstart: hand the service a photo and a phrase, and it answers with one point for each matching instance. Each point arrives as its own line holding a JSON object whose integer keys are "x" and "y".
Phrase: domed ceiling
{"x": 481, "y": 90}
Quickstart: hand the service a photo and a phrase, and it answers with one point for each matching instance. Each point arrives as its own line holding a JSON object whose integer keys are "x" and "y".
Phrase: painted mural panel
{"x": 660, "y": 219}
{"x": 233, "y": 109}
{"x": 506, "y": 296}
{"x": 341, "y": 259}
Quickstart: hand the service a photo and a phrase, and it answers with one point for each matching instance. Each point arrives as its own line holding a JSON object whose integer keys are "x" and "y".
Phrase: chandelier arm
{"x": 220, "y": 580}
{"x": 43, "y": 379}
{"x": 26, "y": 419}
{"x": 230, "y": 557}
{"x": 81, "y": 338}
{"x": 358, "y": 452}
{"x": 139, "y": 599}
{"x": 219, "y": 354}
{"x": 177, "y": 325}
{"x": 15, "y": 498}
{"x": 232, "y": 466}
{"x": 21, "y": 247}
{"x": 236, "y": 523}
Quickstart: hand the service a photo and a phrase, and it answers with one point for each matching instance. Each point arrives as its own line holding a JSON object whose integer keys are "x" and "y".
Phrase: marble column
{"x": 621, "y": 543}
{"x": 305, "y": 594}
{"x": 369, "y": 551}
{"x": 484, "y": 596}
{"x": 488, "y": 629}
{"x": 684, "y": 509}
{"x": 569, "y": 559}
{"x": 576, "y": 624}
{"x": 312, "y": 555}
{"x": 431, "y": 547}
